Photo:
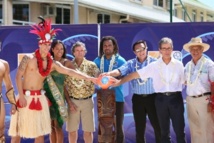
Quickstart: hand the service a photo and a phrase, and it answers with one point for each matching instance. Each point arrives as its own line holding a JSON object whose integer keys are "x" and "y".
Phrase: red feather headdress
{"x": 44, "y": 31}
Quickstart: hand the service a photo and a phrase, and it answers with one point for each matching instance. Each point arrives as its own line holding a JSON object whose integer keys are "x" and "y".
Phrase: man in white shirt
{"x": 168, "y": 76}
{"x": 199, "y": 73}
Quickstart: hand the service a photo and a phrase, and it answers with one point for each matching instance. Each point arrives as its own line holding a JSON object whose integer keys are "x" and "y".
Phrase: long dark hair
{"x": 54, "y": 43}
{"x": 114, "y": 41}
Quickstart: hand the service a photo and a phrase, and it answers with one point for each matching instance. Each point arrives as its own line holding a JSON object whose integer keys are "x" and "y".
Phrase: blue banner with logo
{"x": 16, "y": 41}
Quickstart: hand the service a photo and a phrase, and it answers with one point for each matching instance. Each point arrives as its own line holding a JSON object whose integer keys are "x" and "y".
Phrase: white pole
{"x": 76, "y": 12}
{"x": 99, "y": 38}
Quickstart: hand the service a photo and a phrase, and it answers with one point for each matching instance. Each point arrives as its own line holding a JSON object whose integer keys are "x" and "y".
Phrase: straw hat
{"x": 196, "y": 42}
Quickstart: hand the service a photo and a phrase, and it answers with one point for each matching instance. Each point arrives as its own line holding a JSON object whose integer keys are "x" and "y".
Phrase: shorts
{"x": 85, "y": 113}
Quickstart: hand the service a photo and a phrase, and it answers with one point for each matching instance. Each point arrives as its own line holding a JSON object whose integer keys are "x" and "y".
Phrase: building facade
{"x": 24, "y": 12}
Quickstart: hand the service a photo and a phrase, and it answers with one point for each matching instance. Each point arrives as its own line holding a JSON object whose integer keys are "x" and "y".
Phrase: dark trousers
{"x": 171, "y": 107}
{"x": 143, "y": 106}
{"x": 120, "y": 138}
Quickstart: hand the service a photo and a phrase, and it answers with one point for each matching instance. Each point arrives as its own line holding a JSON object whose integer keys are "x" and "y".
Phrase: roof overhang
{"x": 132, "y": 9}
{"x": 124, "y": 7}
{"x": 198, "y": 4}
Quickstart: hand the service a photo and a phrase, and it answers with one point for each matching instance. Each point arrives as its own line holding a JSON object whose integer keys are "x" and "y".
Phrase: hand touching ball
{"x": 105, "y": 82}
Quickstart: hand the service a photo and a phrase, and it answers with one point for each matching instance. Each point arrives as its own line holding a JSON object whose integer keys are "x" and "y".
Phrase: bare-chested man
{"x": 33, "y": 119}
{"x": 4, "y": 77}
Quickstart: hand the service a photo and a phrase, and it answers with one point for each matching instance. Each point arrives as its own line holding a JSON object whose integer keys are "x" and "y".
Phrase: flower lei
{"x": 197, "y": 76}
{"x": 110, "y": 66}
{"x": 40, "y": 63}
{"x": 162, "y": 76}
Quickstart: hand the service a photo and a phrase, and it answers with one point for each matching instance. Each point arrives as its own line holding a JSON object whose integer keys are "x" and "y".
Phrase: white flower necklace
{"x": 162, "y": 78}
{"x": 110, "y": 68}
{"x": 79, "y": 82}
{"x": 197, "y": 76}
{"x": 138, "y": 79}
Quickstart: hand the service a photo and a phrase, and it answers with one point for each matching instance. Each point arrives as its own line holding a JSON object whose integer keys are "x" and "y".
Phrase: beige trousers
{"x": 200, "y": 121}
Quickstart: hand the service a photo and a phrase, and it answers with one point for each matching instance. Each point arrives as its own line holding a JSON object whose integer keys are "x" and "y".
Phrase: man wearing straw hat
{"x": 199, "y": 76}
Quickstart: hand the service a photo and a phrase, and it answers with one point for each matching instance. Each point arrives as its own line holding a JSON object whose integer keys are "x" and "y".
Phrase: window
{"x": 158, "y": 3}
{"x": 194, "y": 15}
{"x": 103, "y": 18}
{"x": 62, "y": 15}
{"x": 20, "y": 13}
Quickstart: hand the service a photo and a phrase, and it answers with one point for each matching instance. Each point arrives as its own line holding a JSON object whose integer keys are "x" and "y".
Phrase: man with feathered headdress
{"x": 32, "y": 119}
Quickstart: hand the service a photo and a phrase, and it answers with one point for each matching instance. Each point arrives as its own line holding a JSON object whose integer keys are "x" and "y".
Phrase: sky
{"x": 208, "y": 2}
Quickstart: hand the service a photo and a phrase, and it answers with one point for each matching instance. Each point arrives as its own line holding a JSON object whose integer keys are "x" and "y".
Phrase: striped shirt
{"x": 133, "y": 65}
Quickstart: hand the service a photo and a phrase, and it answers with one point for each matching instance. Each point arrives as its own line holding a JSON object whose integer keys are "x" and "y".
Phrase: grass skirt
{"x": 29, "y": 123}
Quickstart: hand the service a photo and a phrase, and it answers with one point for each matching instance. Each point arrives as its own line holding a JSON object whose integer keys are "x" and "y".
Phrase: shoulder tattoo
{"x": 23, "y": 64}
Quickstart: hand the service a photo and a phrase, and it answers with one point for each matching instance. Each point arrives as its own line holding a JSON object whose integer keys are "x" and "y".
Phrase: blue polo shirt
{"x": 134, "y": 65}
{"x": 119, "y": 61}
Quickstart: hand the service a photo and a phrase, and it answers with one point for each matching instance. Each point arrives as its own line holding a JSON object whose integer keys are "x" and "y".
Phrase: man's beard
{"x": 108, "y": 53}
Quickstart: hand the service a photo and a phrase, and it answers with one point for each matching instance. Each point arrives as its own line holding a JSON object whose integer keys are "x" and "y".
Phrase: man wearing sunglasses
{"x": 168, "y": 77}
{"x": 143, "y": 99}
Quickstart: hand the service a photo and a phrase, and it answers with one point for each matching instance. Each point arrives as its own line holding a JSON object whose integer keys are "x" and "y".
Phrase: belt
{"x": 142, "y": 95}
{"x": 168, "y": 93}
{"x": 80, "y": 98}
{"x": 200, "y": 95}
{"x": 33, "y": 92}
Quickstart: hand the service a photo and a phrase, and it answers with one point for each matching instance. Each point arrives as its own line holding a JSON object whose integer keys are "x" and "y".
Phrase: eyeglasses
{"x": 140, "y": 50}
{"x": 166, "y": 49}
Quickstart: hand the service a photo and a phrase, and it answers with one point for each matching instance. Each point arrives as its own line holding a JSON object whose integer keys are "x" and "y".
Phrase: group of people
{"x": 169, "y": 77}
{"x": 45, "y": 79}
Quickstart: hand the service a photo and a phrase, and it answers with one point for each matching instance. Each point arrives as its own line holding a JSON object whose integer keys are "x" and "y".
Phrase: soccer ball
{"x": 104, "y": 82}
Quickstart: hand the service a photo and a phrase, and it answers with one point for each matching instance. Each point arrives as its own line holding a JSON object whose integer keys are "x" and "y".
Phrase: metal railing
{"x": 18, "y": 22}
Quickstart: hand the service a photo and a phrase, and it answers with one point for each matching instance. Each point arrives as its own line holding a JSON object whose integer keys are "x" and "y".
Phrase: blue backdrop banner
{"x": 16, "y": 41}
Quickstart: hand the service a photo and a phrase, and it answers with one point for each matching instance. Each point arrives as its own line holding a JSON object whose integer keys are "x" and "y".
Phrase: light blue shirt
{"x": 132, "y": 66}
{"x": 199, "y": 76}
{"x": 119, "y": 61}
